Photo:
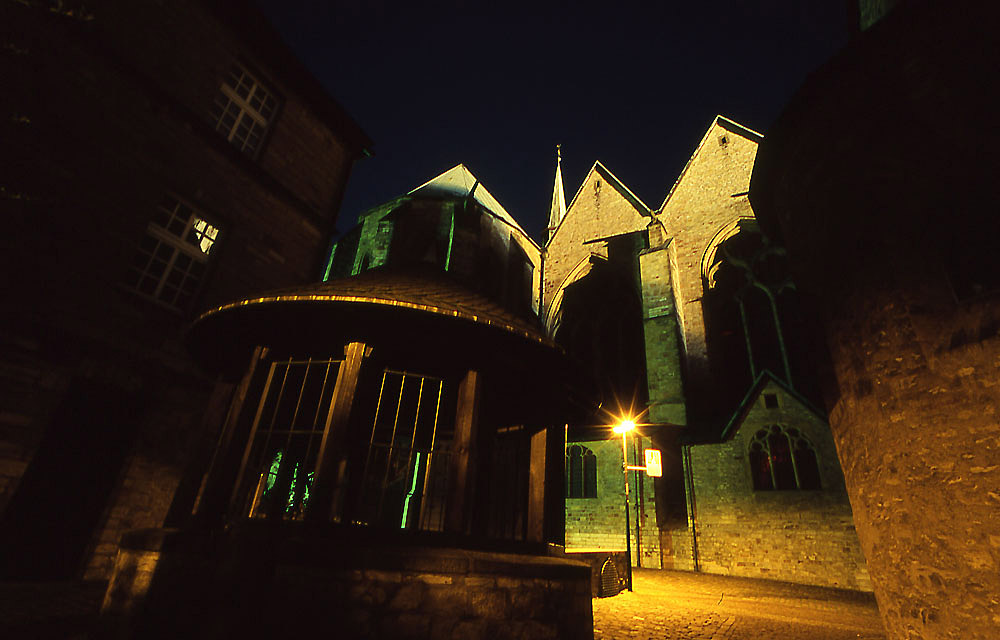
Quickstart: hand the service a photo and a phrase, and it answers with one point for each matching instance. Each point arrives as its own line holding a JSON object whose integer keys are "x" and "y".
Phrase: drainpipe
{"x": 692, "y": 510}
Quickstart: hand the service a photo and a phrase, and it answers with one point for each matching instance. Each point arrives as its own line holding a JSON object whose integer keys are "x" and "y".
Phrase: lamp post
{"x": 623, "y": 428}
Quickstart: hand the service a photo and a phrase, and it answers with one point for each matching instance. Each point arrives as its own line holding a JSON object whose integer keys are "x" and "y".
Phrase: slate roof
{"x": 459, "y": 182}
{"x": 428, "y": 292}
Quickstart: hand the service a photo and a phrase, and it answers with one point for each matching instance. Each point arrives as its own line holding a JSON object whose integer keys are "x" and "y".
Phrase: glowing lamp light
{"x": 624, "y": 427}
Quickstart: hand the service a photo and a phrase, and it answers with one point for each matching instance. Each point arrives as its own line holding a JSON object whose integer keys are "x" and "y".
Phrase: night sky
{"x": 497, "y": 87}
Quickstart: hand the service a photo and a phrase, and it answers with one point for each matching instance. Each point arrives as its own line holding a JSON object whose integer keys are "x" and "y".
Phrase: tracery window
{"x": 581, "y": 472}
{"x": 782, "y": 459}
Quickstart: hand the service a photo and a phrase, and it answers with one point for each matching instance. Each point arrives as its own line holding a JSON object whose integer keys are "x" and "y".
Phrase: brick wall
{"x": 709, "y": 195}
{"x": 115, "y": 115}
{"x": 798, "y": 536}
{"x": 599, "y": 210}
{"x": 599, "y": 523}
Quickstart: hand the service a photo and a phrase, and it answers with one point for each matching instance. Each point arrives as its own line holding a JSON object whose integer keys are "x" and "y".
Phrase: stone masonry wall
{"x": 341, "y": 590}
{"x": 598, "y": 523}
{"x": 798, "y": 536}
{"x": 599, "y": 210}
{"x": 710, "y": 194}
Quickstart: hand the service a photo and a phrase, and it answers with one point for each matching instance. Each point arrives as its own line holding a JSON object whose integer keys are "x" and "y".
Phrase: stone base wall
{"x": 804, "y": 536}
{"x": 254, "y": 584}
{"x": 678, "y": 551}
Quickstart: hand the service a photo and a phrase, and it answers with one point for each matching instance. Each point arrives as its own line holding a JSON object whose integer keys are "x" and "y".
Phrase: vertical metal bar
{"x": 416, "y": 422}
{"x": 371, "y": 440}
{"x": 746, "y": 336}
{"x": 308, "y": 469}
{"x": 770, "y": 460}
{"x": 392, "y": 441}
{"x": 277, "y": 404}
{"x": 791, "y": 454}
{"x": 430, "y": 455}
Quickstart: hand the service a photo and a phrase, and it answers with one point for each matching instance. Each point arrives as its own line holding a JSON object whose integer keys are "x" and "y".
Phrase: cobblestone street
{"x": 695, "y": 606}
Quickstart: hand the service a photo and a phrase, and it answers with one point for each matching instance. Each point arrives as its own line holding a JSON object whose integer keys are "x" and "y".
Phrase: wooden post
{"x": 461, "y": 470}
{"x": 536, "y": 487}
{"x": 212, "y": 504}
{"x": 328, "y": 484}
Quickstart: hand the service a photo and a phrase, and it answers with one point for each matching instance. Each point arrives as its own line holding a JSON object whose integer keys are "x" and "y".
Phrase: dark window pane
{"x": 156, "y": 268}
{"x": 760, "y": 469}
{"x": 807, "y": 466}
{"x": 575, "y": 468}
{"x": 781, "y": 458}
{"x": 589, "y": 475}
{"x": 182, "y": 261}
{"x": 175, "y": 277}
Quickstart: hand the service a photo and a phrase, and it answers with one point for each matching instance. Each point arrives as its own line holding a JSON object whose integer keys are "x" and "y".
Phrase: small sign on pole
{"x": 654, "y": 468}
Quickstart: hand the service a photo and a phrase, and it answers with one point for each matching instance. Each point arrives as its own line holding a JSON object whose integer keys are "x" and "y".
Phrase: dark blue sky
{"x": 496, "y": 87}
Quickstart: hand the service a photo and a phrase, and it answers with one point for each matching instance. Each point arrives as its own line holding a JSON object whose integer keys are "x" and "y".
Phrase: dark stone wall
{"x": 176, "y": 588}
{"x": 884, "y": 166}
{"x": 110, "y": 105}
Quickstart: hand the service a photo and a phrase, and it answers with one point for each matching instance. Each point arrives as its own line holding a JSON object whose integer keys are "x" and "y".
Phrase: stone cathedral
{"x": 689, "y": 323}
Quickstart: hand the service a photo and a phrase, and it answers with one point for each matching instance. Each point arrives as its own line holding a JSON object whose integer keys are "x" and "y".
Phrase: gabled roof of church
{"x": 763, "y": 378}
{"x": 613, "y": 181}
{"x": 728, "y": 125}
{"x": 459, "y": 182}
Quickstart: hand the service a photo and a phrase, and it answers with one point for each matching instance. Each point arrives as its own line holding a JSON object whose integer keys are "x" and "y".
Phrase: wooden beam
{"x": 536, "y": 486}
{"x": 223, "y": 471}
{"x": 462, "y": 468}
{"x": 328, "y": 483}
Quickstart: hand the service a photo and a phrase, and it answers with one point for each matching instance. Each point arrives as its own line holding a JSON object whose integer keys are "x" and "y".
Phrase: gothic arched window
{"x": 581, "y": 472}
{"x": 783, "y": 459}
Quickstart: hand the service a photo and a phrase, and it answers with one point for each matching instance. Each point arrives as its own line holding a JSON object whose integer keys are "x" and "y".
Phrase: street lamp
{"x": 624, "y": 427}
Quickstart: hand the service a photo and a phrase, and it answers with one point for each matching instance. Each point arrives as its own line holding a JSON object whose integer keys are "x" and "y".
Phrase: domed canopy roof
{"x": 424, "y": 320}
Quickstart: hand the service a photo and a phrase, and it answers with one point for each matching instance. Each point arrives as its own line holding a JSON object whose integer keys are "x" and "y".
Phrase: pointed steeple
{"x": 558, "y": 208}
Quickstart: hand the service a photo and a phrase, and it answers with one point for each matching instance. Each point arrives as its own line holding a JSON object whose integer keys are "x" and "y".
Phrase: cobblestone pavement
{"x": 668, "y": 605}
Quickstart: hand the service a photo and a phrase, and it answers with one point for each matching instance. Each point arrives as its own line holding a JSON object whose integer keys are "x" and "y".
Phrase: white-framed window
{"x": 173, "y": 254}
{"x": 243, "y": 109}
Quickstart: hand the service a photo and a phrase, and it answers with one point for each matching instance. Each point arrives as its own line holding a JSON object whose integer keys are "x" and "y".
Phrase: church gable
{"x": 717, "y": 173}
{"x": 772, "y": 414}
{"x": 602, "y": 207}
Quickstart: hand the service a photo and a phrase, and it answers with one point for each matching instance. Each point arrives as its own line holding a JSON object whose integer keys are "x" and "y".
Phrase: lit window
{"x": 173, "y": 254}
{"x": 243, "y": 110}
{"x": 581, "y": 472}
{"x": 783, "y": 459}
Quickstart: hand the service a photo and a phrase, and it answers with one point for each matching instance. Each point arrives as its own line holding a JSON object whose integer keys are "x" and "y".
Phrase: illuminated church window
{"x": 782, "y": 459}
{"x": 173, "y": 254}
{"x": 581, "y": 472}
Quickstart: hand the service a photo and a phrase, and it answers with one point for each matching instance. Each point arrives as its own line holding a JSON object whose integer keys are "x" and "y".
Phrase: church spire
{"x": 558, "y": 209}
